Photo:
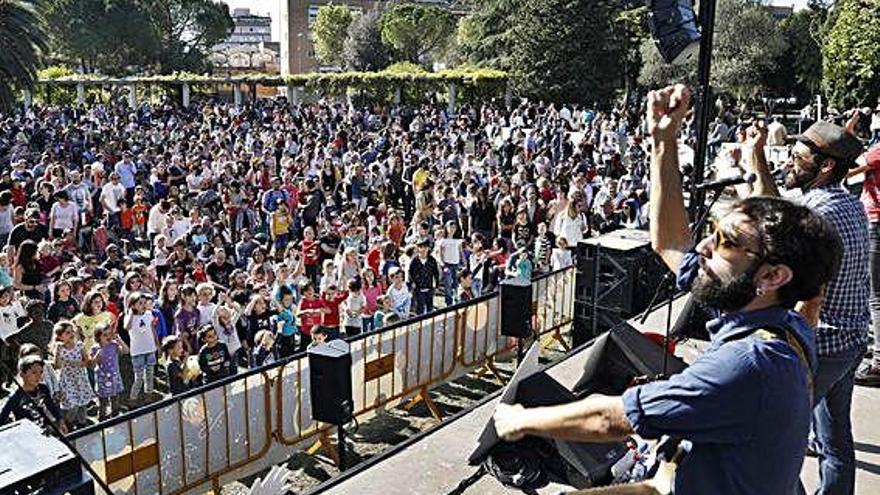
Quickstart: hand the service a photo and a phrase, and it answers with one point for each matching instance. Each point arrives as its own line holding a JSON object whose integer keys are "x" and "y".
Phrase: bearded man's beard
{"x": 725, "y": 295}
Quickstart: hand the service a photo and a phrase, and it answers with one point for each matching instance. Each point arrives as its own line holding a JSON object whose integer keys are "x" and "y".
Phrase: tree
{"x": 563, "y": 50}
{"x": 22, "y": 42}
{"x": 186, "y": 30}
{"x": 746, "y": 46}
{"x": 484, "y": 37}
{"x": 851, "y": 54}
{"x": 330, "y": 30}
{"x": 799, "y": 68}
{"x": 125, "y": 37}
{"x": 363, "y": 49}
{"x": 415, "y": 32}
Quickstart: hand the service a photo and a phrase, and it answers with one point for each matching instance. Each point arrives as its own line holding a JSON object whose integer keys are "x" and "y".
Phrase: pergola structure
{"x": 295, "y": 86}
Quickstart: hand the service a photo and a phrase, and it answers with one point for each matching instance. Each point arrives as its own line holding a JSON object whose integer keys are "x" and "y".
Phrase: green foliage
{"x": 363, "y": 48}
{"x": 330, "y": 30}
{"x": 484, "y": 37}
{"x": 799, "y": 68}
{"x": 564, "y": 50}
{"x": 851, "y": 54}
{"x": 416, "y": 32}
{"x": 747, "y": 43}
{"x": 23, "y": 41}
{"x": 410, "y": 77}
{"x": 746, "y": 46}
{"x": 118, "y": 37}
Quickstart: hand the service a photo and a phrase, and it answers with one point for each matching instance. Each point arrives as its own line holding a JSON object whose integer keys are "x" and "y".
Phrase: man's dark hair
{"x": 795, "y": 236}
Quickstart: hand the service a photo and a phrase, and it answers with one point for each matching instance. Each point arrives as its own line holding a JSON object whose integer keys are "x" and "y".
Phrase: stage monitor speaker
{"x": 33, "y": 462}
{"x": 618, "y": 357}
{"x": 673, "y": 26}
{"x": 516, "y": 307}
{"x": 330, "y": 389}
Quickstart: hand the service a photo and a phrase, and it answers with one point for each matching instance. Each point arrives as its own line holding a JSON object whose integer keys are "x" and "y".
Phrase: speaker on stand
{"x": 516, "y": 311}
{"x": 330, "y": 390}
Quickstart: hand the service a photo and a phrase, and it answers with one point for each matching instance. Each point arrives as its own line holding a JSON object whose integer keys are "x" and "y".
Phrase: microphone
{"x": 718, "y": 184}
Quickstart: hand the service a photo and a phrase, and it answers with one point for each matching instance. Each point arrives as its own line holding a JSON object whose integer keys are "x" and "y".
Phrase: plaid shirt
{"x": 845, "y": 315}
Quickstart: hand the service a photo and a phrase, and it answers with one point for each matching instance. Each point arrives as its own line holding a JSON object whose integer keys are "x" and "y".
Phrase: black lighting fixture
{"x": 673, "y": 26}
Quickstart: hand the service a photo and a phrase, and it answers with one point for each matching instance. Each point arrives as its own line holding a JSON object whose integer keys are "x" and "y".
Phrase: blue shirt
{"x": 845, "y": 315}
{"x": 126, "y": 171}
{"x": 744, "y": 404}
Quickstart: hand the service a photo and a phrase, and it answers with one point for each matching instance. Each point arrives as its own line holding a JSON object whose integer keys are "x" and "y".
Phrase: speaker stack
{"x": 617, "y": 274}
{"x": 32, "y": 462}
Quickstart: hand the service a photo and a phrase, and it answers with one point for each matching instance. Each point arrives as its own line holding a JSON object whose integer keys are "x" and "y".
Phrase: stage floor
{"x": 437, "y": 463}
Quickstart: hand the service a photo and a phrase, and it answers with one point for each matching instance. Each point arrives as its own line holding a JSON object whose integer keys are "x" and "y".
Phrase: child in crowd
{"x": 172, "y": 348}
{"x": 186, "y": 320}
{"x": 383, "y": 309}
{"x": 311, "y": 254}
{"x": 398, "y": 293}
{"x": 50, "y": 376}
{"x": 353, "y": 308}
{"x": 263, "y": 352}
{"x": 63, "y": 306}
{"x": 108, "y": 380}
{"x": 328, "y": 276}
{"x": 371, "y": 291}
{"x": 225, "y": 320}
{"x": 285, "y": 324}
{"x": 214, "y": 358}
{"x": 465, "y": 286}
{"x": 143, "y": 344}
{"x": 205, "y": 292}
{"x": 310, "y": 311}
{"x": 332, "y": 299}
{"x": 71, "y": 361}
{"x": 561, "y": 256}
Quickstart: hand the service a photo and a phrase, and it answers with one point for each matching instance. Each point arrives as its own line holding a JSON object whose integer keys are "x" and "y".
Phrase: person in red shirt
{"x": 311, "y": 254}
{"x": 332, "y": 298}
{"x": 310, "y": 311}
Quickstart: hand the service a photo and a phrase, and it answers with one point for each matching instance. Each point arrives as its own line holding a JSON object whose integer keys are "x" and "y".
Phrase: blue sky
{"x": 272, "y": 8}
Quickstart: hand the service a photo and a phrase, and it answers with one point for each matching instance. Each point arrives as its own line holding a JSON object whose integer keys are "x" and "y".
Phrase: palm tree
{"x": 23, "y": 39}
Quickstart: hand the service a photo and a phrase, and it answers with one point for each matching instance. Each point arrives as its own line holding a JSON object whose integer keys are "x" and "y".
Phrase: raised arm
{"x": 670, "y": 235}
{"x": 764, "y": 184}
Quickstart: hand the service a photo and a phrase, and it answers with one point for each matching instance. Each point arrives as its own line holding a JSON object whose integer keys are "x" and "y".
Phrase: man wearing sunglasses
{"x": 820, "y": 160}
{"x": 745, "y": 403}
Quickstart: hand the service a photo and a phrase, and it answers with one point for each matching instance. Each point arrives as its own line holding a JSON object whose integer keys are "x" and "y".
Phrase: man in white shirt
{"x": 157, "y": 218}
{"x": 112, "y": 198}
{"x": 776, "y": 133}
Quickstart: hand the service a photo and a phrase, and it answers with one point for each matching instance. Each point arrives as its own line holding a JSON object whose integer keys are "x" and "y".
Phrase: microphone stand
{"x": 668, "y": 281}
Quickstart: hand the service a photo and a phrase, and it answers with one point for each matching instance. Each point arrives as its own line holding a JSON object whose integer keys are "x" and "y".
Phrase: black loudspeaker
{"x": 516, "y": 307}
{"x": 330, "y": 390}
{"x": 617, "y": 275}
{"x": 33, "y": 462}
{"x": 673, "y": 26}
{"x": 618, "y": 357}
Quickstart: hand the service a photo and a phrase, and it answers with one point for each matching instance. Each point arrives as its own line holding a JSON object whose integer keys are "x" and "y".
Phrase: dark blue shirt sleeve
{"x": 712, "y": 401}
{"x": 687, "y": 270}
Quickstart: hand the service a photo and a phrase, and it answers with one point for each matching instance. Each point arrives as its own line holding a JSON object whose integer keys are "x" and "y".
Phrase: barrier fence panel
{"x": 176, "y": 446}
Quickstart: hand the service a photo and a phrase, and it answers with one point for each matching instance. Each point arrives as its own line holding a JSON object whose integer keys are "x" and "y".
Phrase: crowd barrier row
{"x": 182, "y": 443}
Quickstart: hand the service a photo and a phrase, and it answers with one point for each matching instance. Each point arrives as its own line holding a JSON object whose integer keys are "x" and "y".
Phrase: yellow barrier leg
{"x": 423, "y": 396}
{"x": 489, "y": 366}
{"x": 324, "y": 443}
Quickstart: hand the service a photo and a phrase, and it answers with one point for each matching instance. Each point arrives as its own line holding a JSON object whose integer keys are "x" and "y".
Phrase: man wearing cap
{"x": 819, "y": 162}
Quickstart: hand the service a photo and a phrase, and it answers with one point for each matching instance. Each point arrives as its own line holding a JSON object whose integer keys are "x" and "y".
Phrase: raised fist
{"x": 666, "y": 109}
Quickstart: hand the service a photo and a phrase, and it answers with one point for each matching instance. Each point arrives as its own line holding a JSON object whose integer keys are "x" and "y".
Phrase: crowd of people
{"x": 185, "y": 244}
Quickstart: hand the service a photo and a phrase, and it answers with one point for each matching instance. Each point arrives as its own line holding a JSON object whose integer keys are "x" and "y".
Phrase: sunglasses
{"x": 725, "y": 244}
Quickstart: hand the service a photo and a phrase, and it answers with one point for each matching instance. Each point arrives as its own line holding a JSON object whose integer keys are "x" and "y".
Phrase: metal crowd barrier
{"x": 195, "y": 438}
